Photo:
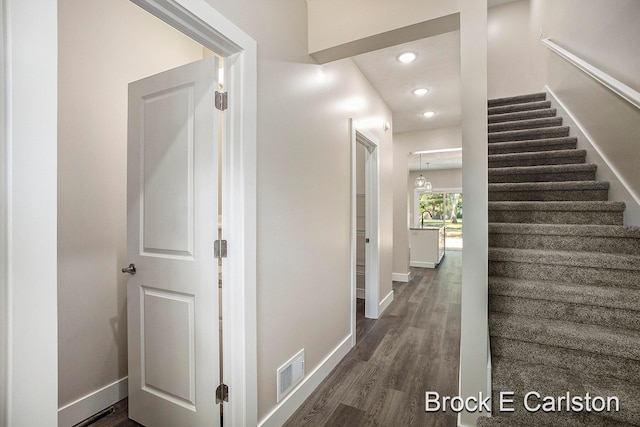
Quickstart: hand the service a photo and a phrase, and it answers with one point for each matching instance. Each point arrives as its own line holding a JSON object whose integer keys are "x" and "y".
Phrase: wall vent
{"x": 290, "y": 374}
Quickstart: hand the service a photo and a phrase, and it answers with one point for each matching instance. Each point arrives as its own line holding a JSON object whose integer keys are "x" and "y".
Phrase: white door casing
{"x": 172, "y": 225}
{"x": 372, "y": 250}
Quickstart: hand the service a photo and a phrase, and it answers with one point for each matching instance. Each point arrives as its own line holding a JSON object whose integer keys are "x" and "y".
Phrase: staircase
{"x": 564, "y": 273}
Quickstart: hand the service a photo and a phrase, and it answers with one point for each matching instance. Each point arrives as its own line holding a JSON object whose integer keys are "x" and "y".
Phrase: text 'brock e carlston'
{"x": 533, "y": 401}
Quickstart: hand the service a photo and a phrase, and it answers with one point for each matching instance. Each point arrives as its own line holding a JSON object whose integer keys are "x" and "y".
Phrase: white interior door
{"x": 172, "y": 225}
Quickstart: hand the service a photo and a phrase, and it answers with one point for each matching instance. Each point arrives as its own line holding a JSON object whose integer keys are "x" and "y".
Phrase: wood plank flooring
{"x": 413, "y": 348}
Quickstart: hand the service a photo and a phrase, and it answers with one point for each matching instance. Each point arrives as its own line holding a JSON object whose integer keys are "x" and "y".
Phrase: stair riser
{"x": 519, "y": 99}
{"x": 602, "y": 244}
{"x": 549, "y": 195}
{"x": 524, "y": 135}
{"x": 557, "y": 217}
{"x": 523, "y": 147}
{"x": 537, "y": 161}
{"x": 525, "y": 124}
{"x": 569, "y": 312}
{"x": 519, "y": 107}
{"x": 583, "y": 361}
{"x": 565, "y": 273}
{"x": 542, "y": 177}
{"x": 524, "y": 115}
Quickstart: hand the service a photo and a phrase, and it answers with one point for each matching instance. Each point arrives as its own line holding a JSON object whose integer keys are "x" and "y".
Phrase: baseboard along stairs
{"x": 564, "y": 276}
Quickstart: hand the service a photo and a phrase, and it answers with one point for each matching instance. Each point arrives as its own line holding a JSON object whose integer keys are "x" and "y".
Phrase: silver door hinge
{"x": 222, "y": 101}
{"x": 222, "y": 393}
{"x": 220, "y": 249}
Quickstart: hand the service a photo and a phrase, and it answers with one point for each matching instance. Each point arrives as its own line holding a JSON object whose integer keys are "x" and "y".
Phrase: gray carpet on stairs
{"x": 564, "y": 274}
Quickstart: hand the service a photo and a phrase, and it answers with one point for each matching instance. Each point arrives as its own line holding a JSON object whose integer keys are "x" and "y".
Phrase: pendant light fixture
{"x": 421, "y": 181}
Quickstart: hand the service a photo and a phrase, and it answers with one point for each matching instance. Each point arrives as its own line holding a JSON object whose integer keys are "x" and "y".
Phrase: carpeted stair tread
{"x": 537, "y": 158}
{"x": 566, "y": 237}
{"x": 548, "y": 144}
{"x": 584, "y": 206}
{"x": 526, "y": 134}
{"x": 575, "y": 293}
{"x": 562, "y": 172}
{"x": 522, "y": 115}
{"x": 525, "y": 106}
{"x": 622, "y": 343}
{"x": 536, "y": 123}
{"x": 518, "y": 99}
{"x": 583, "y": 361}
{"x": 520, "y": 378}
{"x": 548, "y": 420}
{"x": 567, "y": 258}
{"x": 550, "y": 191}
{"x": 566, "y": 312}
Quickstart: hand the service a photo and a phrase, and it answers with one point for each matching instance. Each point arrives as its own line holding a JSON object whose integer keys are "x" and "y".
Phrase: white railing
{"x": 629, "y": 94}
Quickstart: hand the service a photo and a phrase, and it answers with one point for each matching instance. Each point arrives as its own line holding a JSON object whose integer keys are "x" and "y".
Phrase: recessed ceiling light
{"x": 407, "y": 57}
{"x": 421, "y": 91}
{"x": 429, "y": 114}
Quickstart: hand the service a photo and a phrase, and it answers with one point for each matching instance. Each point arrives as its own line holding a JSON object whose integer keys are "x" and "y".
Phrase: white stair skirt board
{"x": 620, "y": 189}
{"x": 400, "y": 277}
{"x": 385, "y": 303}
{"x": 423, "y": 264}
{"x": 360, "y": 293}
{"x": 295, "y": 398}
{"x": 91, "y": 404}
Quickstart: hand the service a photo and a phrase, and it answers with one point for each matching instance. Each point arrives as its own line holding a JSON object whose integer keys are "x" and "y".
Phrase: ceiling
{"x": 436, "y": 68}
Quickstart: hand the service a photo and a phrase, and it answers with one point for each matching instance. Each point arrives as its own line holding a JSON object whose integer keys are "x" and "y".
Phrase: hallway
{"x": 413, "y": 348}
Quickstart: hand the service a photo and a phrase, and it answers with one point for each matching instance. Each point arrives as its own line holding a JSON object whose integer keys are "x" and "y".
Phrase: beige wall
{"x": 604, "y": 34}
{"x": 303, "y": 289}
{"x": 336, "y": 22}
{"x": 102, "y": 47}
{"x": 403, "y": 144}
{"x": 511, "y": 67}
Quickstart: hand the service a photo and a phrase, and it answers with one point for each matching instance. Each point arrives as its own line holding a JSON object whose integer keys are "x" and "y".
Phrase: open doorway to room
{"x": 102, "y": 50}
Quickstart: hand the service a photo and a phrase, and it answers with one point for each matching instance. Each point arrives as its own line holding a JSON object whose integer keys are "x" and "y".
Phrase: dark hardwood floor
{"x": 413, "y": 348}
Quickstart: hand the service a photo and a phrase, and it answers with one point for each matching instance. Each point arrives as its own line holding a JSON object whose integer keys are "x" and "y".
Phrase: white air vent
{"x": 290, "y": 374}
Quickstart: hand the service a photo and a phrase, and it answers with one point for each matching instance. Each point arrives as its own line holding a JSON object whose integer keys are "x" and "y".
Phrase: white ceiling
{"x": 437, "y": 68}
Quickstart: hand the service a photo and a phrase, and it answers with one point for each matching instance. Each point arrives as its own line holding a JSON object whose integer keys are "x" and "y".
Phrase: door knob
{"x": 131, "y": 269}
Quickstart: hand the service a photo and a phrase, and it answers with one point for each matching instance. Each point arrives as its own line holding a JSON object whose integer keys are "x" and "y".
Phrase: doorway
{"x": 365, "y": 258}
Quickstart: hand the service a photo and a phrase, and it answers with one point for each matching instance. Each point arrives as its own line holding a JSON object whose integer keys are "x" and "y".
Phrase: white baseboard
{"x": 360, "y": 292}
{"x": 91, "y": 404}
{"x": 385, "y": 303}
{"x": 423, "y": 264}
{"x": 400, "y": 277}
{"x": 296, "y": 398}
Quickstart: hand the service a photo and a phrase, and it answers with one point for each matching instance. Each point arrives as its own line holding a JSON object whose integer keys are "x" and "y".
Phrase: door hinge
{"x": 222, "y": 393}
{"x": 222, "y": 101}
{"x": 220, "y": 249}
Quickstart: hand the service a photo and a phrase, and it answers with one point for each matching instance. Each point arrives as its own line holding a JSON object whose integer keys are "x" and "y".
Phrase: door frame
{"x": 200, "y": 21}
{"x": 372, "y": 208}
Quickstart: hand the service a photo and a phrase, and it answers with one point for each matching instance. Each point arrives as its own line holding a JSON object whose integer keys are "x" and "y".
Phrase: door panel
{"x": 172, "y": 217}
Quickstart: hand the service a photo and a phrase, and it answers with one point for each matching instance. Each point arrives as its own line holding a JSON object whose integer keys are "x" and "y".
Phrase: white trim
{"x": 386, "y": 301}
{"x": 606, "y": 169}
{"x": 422, "y": 264}
{"x": 360, "y": 292}
{"x": 400, "y": 277}
{"x": 294, "y": 400}
{"x": 89, "y": 405}
{"x": 200, "y": 21}
{"x": 627, "y": 93}
{"x": 3, "y": 228}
